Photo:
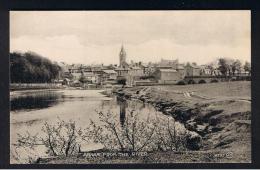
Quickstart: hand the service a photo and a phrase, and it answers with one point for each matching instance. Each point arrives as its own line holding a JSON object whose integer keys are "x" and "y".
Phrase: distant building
{"x": 216, "y": 72}
{"x": 74, "y": 68}
{"x": 76, "y": 75}
{"x": 136, "y": 71}
{"x": 122, "y": 72}
{"x": 149, "y": 69}
{"x": 192, "y": 70}
{"x": 91, "y": 77}
{"x": 167, "y": 76}
{"x": 205, "y": 70}
{"x": 110, "y": 74}
{"x": 168, "y": 64}
{"x": 97, "y": 69}
{"x": 66, "y": 81}
{"x": 109, "y": 77}
{"x": 76, "y": 83}
{"x": 86, "y": 69}
{"x": 67, "y": 74}
{"x": 181, "y": 70}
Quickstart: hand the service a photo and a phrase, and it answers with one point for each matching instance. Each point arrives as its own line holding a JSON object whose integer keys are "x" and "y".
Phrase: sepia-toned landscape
{"x": 130, "y": 87}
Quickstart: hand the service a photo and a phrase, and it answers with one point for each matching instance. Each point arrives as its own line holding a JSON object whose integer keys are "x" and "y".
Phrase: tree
{"x": 122, "y": 81}
{"x": 83, "y": 79}
{"x": 236, "y": 66}
{"x": 211, "y": 69}
{"x": 229, "y": 63}
{"x": 30, "y": 67}
{"x": 212, "y": 66}
{"x": 194, "y": 63}
{"x": 188, "y": 64}
{"x": 247, "y": 67}
{"x": 223, "y": 66}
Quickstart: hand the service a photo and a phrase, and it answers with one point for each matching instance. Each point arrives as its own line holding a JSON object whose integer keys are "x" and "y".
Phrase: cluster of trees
{"x": 30, "y": 67}
{"x": 227, "y": 66}
{"x": 231, "y": 67}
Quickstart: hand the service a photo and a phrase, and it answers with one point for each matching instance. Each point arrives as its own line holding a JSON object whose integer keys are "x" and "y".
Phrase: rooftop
{"x": 168, "y": 70}
{"x": 122, "y": 69}
{"x": 194, "y": 66}
{"x": 135, "y": 68}
{"x": 109, "y": 71}
{"x": 180, "y": 67}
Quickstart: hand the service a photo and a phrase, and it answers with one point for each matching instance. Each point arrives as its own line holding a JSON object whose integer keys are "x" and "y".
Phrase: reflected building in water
{"x": 113, "y": 105}
{"x": 123, "y": 105}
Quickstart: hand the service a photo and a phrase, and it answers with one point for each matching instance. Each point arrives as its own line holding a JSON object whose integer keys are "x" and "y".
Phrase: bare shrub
{"x": 60, "y": 139}
{"x": 169, "y": 136}
{"x": 137, "y": 134}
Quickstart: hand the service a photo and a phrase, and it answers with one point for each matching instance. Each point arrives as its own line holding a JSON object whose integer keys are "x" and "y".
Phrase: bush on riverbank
{"x": 60, "y": 139}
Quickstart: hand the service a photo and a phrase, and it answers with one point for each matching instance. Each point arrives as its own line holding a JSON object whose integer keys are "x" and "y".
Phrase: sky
{"x": 95, "y": 37}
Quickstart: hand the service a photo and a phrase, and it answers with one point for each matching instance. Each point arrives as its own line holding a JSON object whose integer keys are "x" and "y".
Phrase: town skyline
{"x": 95, "y": 38}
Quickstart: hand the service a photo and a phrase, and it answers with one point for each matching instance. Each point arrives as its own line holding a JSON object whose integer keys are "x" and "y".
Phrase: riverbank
{"x": 51, "y": 86}
{"x": 219, "y": 112}
{"x": 33, "y": 86}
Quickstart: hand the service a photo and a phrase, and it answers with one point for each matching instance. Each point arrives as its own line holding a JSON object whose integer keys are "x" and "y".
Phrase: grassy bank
{"x": 201, "y": 92}
{"x": 219, "y": 112}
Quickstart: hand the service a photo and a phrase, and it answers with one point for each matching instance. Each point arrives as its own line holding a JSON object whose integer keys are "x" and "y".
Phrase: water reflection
{"x": 77, "y": 105}
{"x": 35, "y": 100}
{"x": 123, "y": 105}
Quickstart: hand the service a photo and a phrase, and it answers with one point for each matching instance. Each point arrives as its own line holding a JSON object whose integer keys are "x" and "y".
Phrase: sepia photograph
{"x": 130, "y": 87}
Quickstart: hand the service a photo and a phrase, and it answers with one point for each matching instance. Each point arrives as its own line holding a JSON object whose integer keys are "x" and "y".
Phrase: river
{"x": 30, "y": 109}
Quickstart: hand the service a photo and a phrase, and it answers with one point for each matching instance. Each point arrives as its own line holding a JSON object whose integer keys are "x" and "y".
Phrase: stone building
{"x": 192, "y": 70}
{"x": 181, "y": 70}
{"x": 136, "y": 71}
{"x": 167, "y": 76}
{"x": 168, "y": 64}
{"x": 109, "y": 74}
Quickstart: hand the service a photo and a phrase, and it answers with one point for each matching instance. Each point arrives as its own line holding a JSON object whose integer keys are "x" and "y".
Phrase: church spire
{"x": 122, "y": 57}
{"x": 122, "y": 50}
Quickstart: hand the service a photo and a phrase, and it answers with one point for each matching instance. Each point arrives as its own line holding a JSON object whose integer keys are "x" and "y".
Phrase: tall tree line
{"x": 30, "y": 67}
{"x": 231, "y": 67}
{"x": 227, "y": 66}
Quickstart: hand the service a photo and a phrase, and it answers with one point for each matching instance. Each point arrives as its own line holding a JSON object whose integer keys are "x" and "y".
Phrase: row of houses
{"x": 163, "y": 72}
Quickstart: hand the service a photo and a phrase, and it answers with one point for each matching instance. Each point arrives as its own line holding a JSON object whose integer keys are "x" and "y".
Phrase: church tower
{"x": 122, "y": 57}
